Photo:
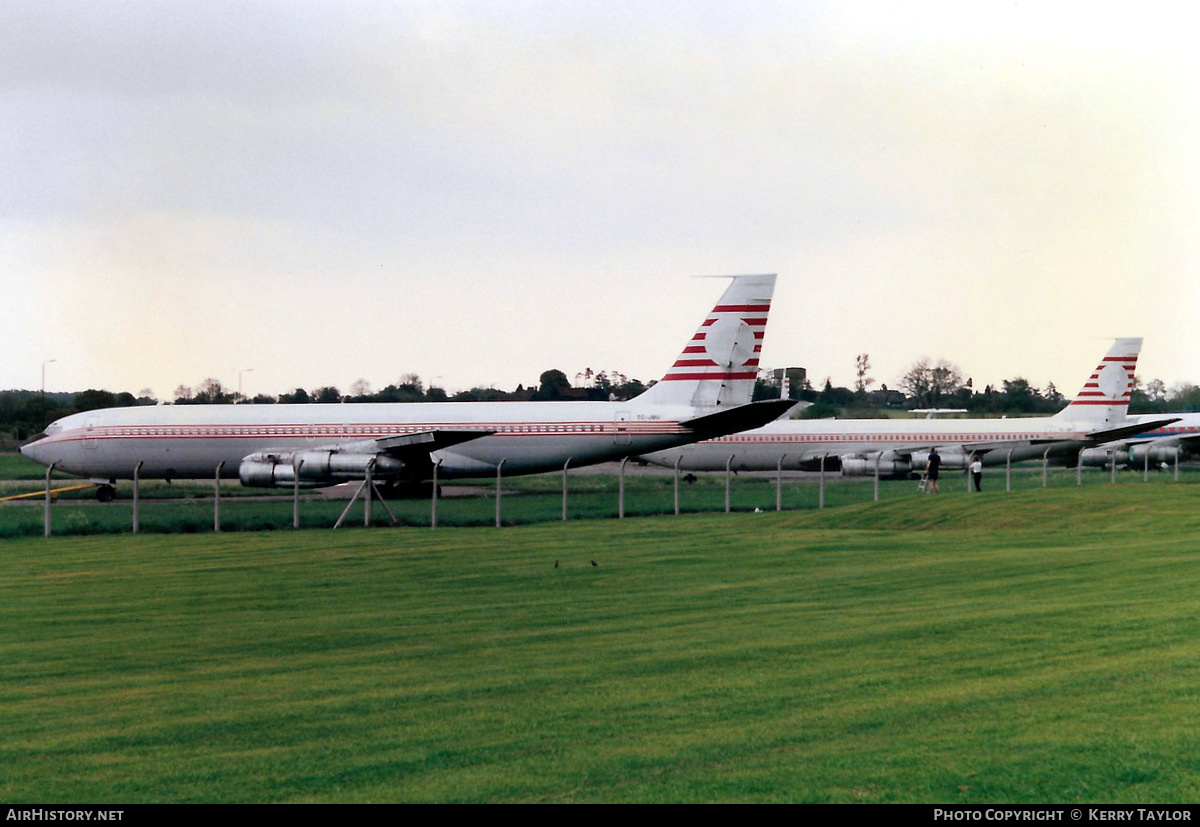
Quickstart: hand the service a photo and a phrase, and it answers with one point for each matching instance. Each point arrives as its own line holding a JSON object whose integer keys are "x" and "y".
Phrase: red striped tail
{"x": 1104, "y": 397}
{"x": 717, "y": 368}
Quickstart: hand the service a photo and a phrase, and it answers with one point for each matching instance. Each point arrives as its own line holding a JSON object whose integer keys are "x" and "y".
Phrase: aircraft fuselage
{"x": 190, "y": 441}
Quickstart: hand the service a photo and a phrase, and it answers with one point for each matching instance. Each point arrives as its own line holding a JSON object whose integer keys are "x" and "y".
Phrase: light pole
{"x": 43, "y": 397}
{"x": 240, "y": 372}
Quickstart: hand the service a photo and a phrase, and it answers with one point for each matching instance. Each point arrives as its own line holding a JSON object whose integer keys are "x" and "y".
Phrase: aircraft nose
{"x": 30, "y": 449}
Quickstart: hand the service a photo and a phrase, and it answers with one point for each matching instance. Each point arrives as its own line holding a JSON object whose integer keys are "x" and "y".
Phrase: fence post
{"x": 621, "y": 489}
{"x": 49, "y": 471}
{"x": 728, "y": 474}
{"x": 821, "y": 484}
{"x": 878, "y": 458}
{"x": 677, "y": 484}
{"x": 137, "y": 469}
{"x": 296, "y": 493}
{"x": 217, "y": 497}
{"x": 564, "y": 508}
{"x": 499, "y": 469}
{"x": 1008, "y": 471}
{"x": 434, "y": 497}
{"x": 779, "y": 484}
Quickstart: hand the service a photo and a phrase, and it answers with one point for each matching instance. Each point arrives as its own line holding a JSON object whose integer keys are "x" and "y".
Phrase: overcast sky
{"x": 321, "y": 192}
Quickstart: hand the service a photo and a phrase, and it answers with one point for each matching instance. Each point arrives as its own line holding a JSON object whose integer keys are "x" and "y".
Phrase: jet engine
{"x": 1138, "y": 454}
{"x": 890, "y": 466}
{"x": 315, "y": 468}
{"x": 1101, "y": 457}
{"x": 951, "y": 460}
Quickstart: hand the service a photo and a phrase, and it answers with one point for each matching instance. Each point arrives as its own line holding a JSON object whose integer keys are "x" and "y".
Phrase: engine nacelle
{"x": 1101, "y": 457}
{"x": 316, "y": 467}
{"x": 1139, "y": 454}
{"x": 951, "y": 460}
{"x": 889, "y": 466}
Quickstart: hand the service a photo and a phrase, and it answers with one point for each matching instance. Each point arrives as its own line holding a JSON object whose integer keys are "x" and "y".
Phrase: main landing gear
{"x": 105, "y": 493}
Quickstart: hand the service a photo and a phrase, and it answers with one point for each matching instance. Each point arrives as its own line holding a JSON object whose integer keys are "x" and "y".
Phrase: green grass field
{"x": 1041, "y": 646}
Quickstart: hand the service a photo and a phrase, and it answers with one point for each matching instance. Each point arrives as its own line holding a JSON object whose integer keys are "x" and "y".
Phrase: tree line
{"x": 927, "y": 384}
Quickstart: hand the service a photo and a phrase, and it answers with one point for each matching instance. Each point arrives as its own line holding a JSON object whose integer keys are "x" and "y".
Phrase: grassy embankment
{"x": 1035, "y": 647}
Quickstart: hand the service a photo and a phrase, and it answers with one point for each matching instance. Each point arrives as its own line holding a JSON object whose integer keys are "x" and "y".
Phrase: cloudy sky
{"x": 321, "y": 192}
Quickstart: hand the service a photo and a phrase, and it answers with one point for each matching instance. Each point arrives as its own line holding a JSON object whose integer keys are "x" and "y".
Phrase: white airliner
{"x": 705, "y": 393}
{"x": 898, "y": 448}
{"x": 1164, "y": 444}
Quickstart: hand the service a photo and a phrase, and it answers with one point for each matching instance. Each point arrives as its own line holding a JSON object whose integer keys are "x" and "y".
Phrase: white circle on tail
{"x": 1113, "y": 381}
{"x": 726, "y": 335}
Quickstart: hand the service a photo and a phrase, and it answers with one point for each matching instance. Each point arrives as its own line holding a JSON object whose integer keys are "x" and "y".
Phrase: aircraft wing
{"x": 404, "y": 446}
{"x": 741, "y": 418}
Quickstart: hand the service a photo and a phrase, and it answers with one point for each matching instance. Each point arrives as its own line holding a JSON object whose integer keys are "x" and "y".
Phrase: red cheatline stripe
{"x": 699, "y": 337}
{"x": 694, "y": 349}
{"x": 741, "y": 308}
{"x": 1100, "y": 402}
{"x": 751, "y": 363}
{"x": 695, "y": 377}
{"x": 1120, "y": 359}
{"x": 755, "y": 322}
{"x": 758, "y": 334}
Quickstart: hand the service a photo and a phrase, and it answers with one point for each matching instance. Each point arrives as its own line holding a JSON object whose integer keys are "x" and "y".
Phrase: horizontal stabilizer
{"x": 741, "y": 418}
{"x": 1129, "y": 430}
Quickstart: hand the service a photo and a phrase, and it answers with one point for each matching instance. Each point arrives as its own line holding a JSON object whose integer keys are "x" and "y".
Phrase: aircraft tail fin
{"x": 1104, "y": 398}
{"x": 718, "y": 366}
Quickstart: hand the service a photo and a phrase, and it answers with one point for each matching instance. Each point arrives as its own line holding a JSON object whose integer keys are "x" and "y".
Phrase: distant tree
{"x": 361, "y": 388}
{"x": 551, "y": 384}
{"x": 862, "y": 364}
{"x": 297, "y": 397}
{"x": 91, "y": 400}
{"x": 1184, "y": 397}
{"x": 765, "y": 385}
{"x": 1156, "y": 389}
{"x": 212, "y": 392}
{"x": 326, "y": 395}
{"x": 411, "y": 383}
{"x": 928, "y": 385}
{"x": 183, "y": 394}
{"x": 1020, "y": 397}
{"x": 479, "y": 395}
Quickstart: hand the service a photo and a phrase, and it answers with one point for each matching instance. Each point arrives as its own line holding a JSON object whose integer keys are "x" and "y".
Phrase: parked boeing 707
{"x": 705, "y": 393}
{"x": 893, "y": 448}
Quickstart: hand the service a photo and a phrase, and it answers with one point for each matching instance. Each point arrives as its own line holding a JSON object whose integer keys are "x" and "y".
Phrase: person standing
{"x": 935, "y": 464}
{"x": 977, "y": 471}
